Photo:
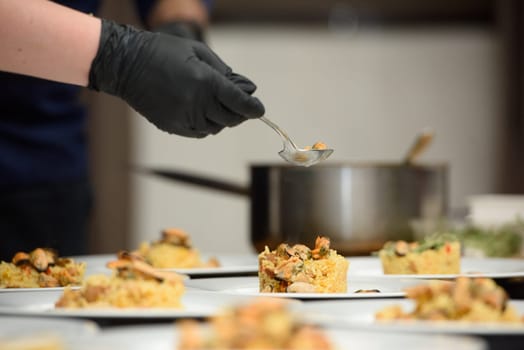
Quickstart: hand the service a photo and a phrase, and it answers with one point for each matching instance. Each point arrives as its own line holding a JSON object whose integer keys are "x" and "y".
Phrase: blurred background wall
{"x": 109, "y": 128}
{"x": 364, "y": 77}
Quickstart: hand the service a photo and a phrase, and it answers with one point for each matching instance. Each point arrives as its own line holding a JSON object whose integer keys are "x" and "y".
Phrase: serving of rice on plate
{"x": 173, "y": 250}
{"x": 298, "y": 269}
{"x": 134, "y": 284}
{"x": 40, "y": 268}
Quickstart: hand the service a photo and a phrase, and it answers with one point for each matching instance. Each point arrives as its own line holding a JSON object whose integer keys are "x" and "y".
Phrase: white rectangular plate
{"x": 230, "y": 264}
{"x": 166, "y": 337}
{"x": 22, "y": 290}
{"x": 486, "y": 267}
{"x": 41, "y": 303}
{"x": 250, "y": 286}
{"x": 360, "y": 314}
{"x": 20, "y": 326}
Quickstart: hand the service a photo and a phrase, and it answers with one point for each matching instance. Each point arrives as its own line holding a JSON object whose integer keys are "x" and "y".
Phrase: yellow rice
{"x": 165, "y": 255}
{"x": 124, "y": 293}
{"x": 445, "y": 260}
{"x": 327, "y": 275}
{"x": 12, "y": 276}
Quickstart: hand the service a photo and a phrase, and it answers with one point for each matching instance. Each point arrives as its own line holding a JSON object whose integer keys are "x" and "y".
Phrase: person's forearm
{"x": 46, "y": 40}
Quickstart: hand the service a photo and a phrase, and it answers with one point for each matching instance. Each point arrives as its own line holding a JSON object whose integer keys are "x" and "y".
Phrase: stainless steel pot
{"x": 359, "y": 206}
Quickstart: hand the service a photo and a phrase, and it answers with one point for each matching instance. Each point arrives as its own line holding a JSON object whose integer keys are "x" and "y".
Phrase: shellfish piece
{"x": 20, "y": 258}
{"x": 176, "y": 236}
{"x": 39, "y": 259}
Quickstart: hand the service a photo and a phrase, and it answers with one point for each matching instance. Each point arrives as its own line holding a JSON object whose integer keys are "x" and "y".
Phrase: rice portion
{"x": 260, "y": 324}
{"x": 429, "y": 257}
{"x": 12, "y": 276}
{"x": 465, "y": 299}
{"x": 101, "y": 291}
{"x": 40, "y": 268}
{"x": 173, "y": 250}
{"x": 165, "y": 255}
{"x": 298, "y": 269}
{"x": 134, "y": 284}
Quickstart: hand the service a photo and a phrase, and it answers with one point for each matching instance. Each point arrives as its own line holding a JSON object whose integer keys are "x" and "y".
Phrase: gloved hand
{"x": 179, "y": 85}
{"x": 183, "y": 29}
{"x": 191, "y": 30}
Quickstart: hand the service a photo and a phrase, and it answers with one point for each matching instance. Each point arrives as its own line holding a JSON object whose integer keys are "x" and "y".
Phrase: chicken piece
{"x": 301, "y": 287}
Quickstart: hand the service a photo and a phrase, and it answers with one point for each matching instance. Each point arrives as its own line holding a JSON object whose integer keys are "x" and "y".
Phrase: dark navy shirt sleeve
{"x": 144, "y": 7}
{"x": 42, "y": 127}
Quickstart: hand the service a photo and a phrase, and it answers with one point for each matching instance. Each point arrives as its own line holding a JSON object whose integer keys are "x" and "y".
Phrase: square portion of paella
{"x": 299, "y": 269}
{"x": 436, "y": 254}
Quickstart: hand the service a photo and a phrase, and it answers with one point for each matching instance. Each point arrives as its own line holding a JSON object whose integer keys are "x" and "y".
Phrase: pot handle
{"x": 197, "y": 180}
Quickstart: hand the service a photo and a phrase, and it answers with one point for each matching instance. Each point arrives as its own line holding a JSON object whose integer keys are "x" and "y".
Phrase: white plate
{"x": 96, "y": 263}
{"x": 249, "y": 286}
{"x": 487, "y": 267}
{"x": 15, "y": 326}
{"x": 41, "y": 303}
{"x": 361, "y": 315}
{"x": 231, "y": 264}
{"x": 165, "y": 337}
{"x": 19, "y": 290}
{"x": 93, "y": 258}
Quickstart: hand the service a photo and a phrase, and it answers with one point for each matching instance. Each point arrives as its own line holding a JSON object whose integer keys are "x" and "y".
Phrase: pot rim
{"x": 359, "y": 165}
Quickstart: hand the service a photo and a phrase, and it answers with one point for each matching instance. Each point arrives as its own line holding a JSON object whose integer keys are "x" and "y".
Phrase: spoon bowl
{"x": 295, "y": 155}
{"x": 304, "y": 157}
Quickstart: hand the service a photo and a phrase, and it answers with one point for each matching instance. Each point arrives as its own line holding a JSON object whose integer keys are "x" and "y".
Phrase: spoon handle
{"x": 282, "y": 133}
{"x": 420, "y": 145}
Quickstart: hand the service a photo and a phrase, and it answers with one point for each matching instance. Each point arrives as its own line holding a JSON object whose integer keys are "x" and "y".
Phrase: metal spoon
{"x": 294, "y": 155}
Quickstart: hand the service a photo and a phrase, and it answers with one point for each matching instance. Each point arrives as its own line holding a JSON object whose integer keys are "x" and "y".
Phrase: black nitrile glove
{"x": 179, "y": 85}
{"x": 191, "y": 30}
{"x": 183, "y": 29}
